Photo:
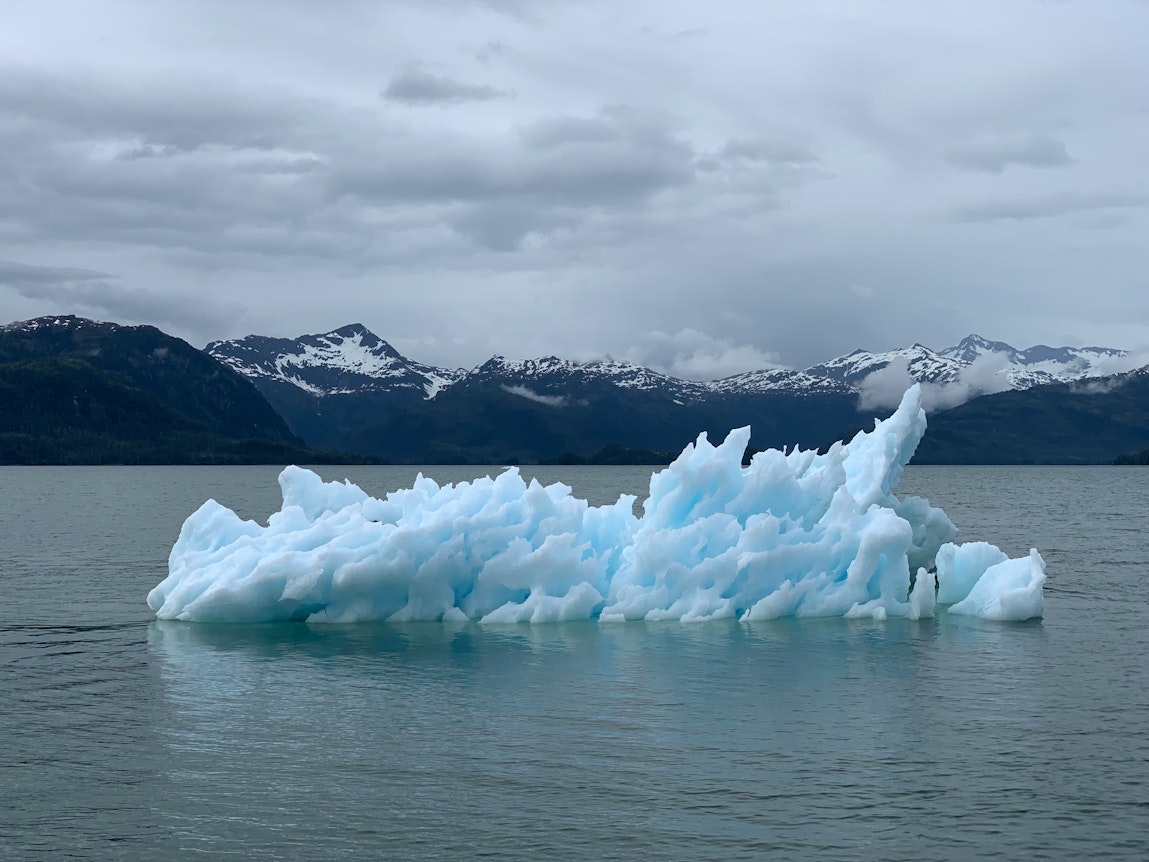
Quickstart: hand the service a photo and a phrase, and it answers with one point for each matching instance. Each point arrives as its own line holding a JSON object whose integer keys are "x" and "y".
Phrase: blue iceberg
{"x": 793, "y": 534}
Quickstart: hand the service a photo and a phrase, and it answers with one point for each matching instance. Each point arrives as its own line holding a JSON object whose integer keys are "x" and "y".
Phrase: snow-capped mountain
{"x": 353, "y": 360}
{"x": 923, "y": 364}
{"x": 551, "y": 376}
{"x": 58, "y": 322}
{"x": 780, "y": 380}
{"x": 997, "y": 365}
{"x": 348, "y": 360}
{"x": 1036, "y": 365}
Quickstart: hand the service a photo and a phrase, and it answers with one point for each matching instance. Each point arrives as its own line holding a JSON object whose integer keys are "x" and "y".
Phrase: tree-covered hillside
{"x": 1090, "y": 422}
{"x": 73, "y": 391}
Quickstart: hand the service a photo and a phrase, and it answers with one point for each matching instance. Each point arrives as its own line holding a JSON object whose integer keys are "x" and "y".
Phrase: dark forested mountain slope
{"x": 1085, "y": 422}
{"x": 78, "y": 391}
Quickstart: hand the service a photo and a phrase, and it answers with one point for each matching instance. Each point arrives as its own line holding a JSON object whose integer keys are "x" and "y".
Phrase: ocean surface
{"x": 122, "y": 737}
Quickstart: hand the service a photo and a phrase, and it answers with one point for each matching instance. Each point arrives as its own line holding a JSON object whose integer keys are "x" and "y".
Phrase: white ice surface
{"x": 792, "y": 534}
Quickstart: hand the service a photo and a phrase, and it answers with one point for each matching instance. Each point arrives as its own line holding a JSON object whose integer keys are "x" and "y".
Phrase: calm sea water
{"x": 126, "y": 738}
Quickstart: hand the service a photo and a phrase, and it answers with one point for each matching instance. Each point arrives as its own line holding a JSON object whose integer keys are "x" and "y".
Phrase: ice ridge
{"x": 793, "y": 534}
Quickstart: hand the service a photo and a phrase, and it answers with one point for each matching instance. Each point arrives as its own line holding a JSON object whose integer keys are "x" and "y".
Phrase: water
{"x": 126, "y": 738}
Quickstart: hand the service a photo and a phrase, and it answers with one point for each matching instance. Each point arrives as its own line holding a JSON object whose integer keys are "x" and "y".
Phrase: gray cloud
{"x": 155, "y": 117}
{"x": 297, "y": 189}
{"x": 995, "y": 155}
{"x": 553, "y": 132}
{"x": 489, "y": 51}
{"x": 555, "y": 173}
{"x": 754, "y": 185}
{"x": 1049, "y": 206}
{"x": 152, "y": 151}
{"x": 768, "y": 150}
{"x": 418, "y": 87}
{"x": 23, "y": 276}
{"x": 97, "y": 293}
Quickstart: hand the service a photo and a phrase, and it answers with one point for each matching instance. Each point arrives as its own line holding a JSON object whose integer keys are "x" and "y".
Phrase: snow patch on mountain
{"x": 1039, "y": 364}
{"x": 551, "y": 374}
{"x": 53, "y": 321}
{"x": 348, "y": 360}
{"x": 778, "y": 380}
{"x": 974, "y": 367}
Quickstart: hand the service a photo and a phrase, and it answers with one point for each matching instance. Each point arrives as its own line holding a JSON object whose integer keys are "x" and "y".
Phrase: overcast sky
{"x": 703, "y": 187}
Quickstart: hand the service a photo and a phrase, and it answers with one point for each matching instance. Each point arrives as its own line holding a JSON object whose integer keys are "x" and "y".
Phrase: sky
{"x": 705, "y": 188}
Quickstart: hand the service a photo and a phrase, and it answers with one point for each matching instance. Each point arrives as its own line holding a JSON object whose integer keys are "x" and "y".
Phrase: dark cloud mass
{"x": 415, "y": 86}
{"x": 1049, "y": 206}
{"x": 705, "y": 190}
{"x": 993, "y": 156}
{"x": 97, "y": 293}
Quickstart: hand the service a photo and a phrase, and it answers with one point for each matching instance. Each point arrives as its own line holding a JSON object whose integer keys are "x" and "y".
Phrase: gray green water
{"x": 125, "y": 738}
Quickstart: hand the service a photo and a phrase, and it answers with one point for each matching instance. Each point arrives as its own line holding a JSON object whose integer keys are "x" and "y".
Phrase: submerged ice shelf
{"x": 792, "y": 534}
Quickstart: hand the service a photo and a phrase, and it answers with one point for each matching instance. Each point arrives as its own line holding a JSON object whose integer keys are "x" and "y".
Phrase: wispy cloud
{"x": 531, "y": 395}
{"x": 99, "y": 294}
{"x": 693, "y": 355}
{"x": 884, "y": 388}
{"x": 1050, "y": 206}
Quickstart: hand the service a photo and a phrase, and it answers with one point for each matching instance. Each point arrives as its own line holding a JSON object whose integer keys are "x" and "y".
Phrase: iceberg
{"x": 796, "y": 533}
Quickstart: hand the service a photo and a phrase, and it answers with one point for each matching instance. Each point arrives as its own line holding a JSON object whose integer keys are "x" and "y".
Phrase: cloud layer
{"x": 703, "y": 189}
{"x": 693, "y": 355}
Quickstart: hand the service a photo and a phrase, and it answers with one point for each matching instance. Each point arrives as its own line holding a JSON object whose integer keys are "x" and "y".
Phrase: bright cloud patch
{"x": 531, "y": 395}
{"x": 692, "y": 355}
{"x": 983, "y": 376}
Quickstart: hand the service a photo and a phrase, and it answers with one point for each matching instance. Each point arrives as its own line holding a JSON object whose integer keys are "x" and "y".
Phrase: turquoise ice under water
{"x": 793, "y": 534}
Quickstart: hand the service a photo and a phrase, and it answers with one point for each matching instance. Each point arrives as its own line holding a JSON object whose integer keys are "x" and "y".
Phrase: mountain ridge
{"x": 354, "y": 359}
{"x": 505, "y": 410}
{"x": 68, "y": 388}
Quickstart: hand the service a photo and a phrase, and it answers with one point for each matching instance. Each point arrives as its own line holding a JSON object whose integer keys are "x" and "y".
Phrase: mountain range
{"x": 349, "y": 389}
{"x": 76, "y": 391}
{"x": 353, "y": 360}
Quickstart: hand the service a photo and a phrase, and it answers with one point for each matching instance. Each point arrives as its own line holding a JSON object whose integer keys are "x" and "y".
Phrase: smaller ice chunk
{"x": 960, "y": 566}
{"x": 1010, "y": 590}
{"x": 922, "y": 598}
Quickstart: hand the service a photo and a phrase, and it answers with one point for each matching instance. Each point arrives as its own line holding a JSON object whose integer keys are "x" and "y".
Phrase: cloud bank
{"x": 524, "y": 178}
{"x": 693, "y": 355}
